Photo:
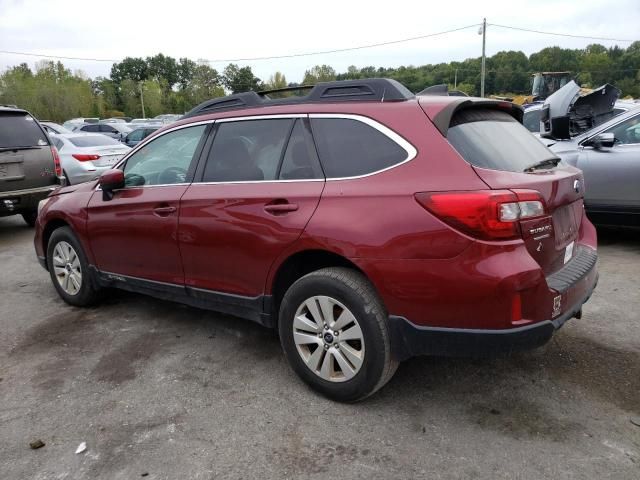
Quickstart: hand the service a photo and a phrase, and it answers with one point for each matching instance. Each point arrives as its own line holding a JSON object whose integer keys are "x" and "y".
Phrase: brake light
{"x": 484, "y": 214}
{"x": 56, "y": 161}
{"x": 82, "y": 157}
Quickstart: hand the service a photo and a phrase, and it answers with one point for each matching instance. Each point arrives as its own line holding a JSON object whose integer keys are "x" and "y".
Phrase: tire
{"x": 65, "y": 254}
{"x": 30, "y": 217}
{"x": 366, "y": 364}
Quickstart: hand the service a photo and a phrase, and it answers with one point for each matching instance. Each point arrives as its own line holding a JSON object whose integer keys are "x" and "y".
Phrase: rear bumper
{"x": 18, "y": 201}
{"x": 409, "y": 340}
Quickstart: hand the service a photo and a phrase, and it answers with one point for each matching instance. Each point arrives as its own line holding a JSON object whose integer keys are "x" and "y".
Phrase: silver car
{"x": 609, "y": 156}
{"x": 113, "y": 130}
{"x": 85, "y": 156}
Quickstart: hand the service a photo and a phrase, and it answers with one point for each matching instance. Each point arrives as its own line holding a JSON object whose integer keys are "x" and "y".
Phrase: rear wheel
{"x": 333, "y": 329}
{"x": 69, "y": 269}
{"x": 30, "y": 217}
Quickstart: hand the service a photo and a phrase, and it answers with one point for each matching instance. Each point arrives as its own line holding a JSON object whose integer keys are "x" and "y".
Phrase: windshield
{"x": 93, "y": 141}
{"x": 20, "y": 130}
{"x": 495, "y": 140}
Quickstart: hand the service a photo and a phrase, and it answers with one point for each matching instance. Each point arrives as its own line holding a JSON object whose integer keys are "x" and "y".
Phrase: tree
{"x": 132, "y": 68}
{"x": 161, "y": 67}
{"x": 239, "y": 79}
{"x": 277, "y": 80}
{"x": 319, "y": 73}
{"x": 186, "y": 70}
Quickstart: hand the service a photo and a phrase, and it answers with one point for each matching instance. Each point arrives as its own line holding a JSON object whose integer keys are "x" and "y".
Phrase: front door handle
{"x": 280, "y": 208}
{"x": 164, "y": 211}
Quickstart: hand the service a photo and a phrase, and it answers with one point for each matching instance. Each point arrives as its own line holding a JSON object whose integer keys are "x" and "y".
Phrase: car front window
{"x": 165, "y": 160}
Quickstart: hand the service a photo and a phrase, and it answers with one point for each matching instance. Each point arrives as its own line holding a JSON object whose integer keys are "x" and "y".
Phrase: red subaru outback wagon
{"x": 366, "y": 224}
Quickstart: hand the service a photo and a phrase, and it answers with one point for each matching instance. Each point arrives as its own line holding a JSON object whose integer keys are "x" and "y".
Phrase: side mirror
{"x": 603, "y": 140}
{"x": 109, "y": 181}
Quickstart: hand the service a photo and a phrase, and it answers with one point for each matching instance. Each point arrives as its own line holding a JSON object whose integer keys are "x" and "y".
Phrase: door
{"x": 612, "y": 175}
{"x": 258, "y": 189}
{"x": 135, "y": 233}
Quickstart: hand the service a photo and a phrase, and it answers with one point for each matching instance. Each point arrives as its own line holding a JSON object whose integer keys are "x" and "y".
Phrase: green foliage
{"x": 319, "y": 73}
{"x": 239, "y": 79}
{"x": 170, "y": 86}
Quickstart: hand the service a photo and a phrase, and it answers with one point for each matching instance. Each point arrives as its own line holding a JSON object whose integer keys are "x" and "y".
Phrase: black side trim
{"x": 256, "y": 309}
{"x": 579, "y": 266}
{"x": 409, "y": 340}
{"x": 614, "y": 215}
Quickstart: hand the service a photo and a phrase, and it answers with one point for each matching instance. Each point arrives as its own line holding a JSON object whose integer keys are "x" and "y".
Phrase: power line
{"x": 272, "y": 57}
{"x": 561, "y": 34}
{"x": 348, "y": 49}
{"x": 327, "y": 52}
{"x": 30, "y": 54}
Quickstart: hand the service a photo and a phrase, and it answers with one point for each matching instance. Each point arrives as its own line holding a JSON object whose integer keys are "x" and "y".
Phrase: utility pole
{"x": 142, "y": 100}
{"x": 484, "y": 42}
{"x": 455, "y": 80}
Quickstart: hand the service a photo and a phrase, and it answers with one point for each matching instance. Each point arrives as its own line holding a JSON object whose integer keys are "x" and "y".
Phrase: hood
{"x": 73, "y": 188}
{"x": 568, "y": 112}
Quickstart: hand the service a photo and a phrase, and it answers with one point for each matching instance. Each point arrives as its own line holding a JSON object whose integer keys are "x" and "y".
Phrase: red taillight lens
{"x": 56, "y": 161}
{"x": 484, "y": 214}
{"x": 82, "y": 157}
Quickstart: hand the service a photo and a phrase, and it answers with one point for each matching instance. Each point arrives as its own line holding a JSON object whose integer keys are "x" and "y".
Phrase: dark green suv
{"x": 29, "y": 164}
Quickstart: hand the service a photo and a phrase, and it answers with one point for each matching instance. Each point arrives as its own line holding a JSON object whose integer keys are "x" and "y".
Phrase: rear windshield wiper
{"x": 8, "y": 149}
{"x": 547, "y": 162}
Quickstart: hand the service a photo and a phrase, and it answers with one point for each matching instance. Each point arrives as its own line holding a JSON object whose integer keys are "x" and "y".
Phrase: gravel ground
{"x": 162, "y": 391}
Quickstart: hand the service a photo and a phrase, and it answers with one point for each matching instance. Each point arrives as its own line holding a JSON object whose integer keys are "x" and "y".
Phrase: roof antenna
{"x": 384, "y": 90}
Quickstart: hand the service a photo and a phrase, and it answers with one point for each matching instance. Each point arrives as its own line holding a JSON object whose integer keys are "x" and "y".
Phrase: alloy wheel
{"x": 328, "y": 338}
{"x": 67, "y": 269}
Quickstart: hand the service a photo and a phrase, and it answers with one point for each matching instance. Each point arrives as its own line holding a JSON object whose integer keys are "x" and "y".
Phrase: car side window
{"x": 247, "y": 150}
{"x": 135, "y": 136}
{"x": 300, "y": 161}
{"x": 349, "y": 147}
{"x": 627, "y": 132}
{"x": 165, "y": 160}
{"x": 107, "y": 129}
{"x": 91, "y": 128}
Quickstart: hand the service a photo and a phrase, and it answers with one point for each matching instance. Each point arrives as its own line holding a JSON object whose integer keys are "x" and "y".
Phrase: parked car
{"x": 532, "y": 114}
{"x": 137, "y": 135}
{"x": 85, "y": 156}
{"x": 52, "y": 127}
{"x": 365, "y": 224}
{"x": 168, "y": 118}
{"x": 29, "y": 164}
{"x": 70, "y": 124}
{"x": 113, "y": 130}
{"x": 113, "y": 120}
{"x": 609, "y": 157}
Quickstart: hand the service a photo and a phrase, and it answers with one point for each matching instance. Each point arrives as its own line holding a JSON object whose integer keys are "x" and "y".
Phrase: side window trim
{"x": 412, "y": 152}
{"x": 606, "y": 129}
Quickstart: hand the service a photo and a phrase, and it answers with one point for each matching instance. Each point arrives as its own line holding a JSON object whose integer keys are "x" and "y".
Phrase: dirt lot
{"x": 173, "y": 392}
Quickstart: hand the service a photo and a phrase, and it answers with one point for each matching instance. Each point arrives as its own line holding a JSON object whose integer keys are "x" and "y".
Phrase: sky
{"x": 227, "y": 30}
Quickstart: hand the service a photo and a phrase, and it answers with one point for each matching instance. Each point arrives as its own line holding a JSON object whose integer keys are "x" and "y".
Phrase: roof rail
{"x": 370, "y": 89}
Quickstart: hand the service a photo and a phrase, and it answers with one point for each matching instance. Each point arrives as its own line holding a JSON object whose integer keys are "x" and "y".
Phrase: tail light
{"x": 83, "y": 157}
{"x": 484, "y": 214}
{"x": 56, "y": 161}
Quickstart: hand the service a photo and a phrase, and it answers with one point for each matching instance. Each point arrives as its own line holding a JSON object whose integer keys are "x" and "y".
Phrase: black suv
{"x": 29, "y": 164}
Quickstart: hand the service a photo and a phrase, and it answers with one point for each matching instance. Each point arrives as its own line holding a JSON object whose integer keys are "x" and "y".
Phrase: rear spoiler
{"x": 441, "y": 116}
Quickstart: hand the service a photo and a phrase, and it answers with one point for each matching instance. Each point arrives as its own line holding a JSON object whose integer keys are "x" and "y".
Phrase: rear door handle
{"x": 281, "y": 208}
{"x": 164, "y": 211}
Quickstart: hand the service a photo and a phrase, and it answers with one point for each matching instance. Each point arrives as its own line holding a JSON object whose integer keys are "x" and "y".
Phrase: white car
{"x": 85, "y": 156}
{"x": 52, "y": 127}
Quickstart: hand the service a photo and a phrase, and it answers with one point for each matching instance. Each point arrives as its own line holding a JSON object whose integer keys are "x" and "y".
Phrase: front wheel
{"x": 334, "y": 331}
{"x": 69, "y": 269}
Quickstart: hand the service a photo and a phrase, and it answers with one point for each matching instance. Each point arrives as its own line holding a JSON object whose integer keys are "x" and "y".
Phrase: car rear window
{"x": 495, "y": 140}
{"x": 92, "y": 141}
{"x": 20, "y": 130}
